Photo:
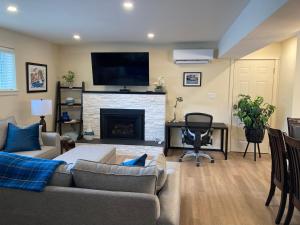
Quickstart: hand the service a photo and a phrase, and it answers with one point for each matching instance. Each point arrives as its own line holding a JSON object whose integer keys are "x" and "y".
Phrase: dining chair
{"x": 293, "y": 155}
{"x": 279, "y": 171}
{"x": 294, "y": 127}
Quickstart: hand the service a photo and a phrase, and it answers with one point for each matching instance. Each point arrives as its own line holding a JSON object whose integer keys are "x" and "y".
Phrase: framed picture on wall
{"x": 36, "y": 77}
{"x": 192, "y": 79}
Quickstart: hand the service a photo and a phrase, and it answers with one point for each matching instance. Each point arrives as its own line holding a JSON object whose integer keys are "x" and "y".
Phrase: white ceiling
{"x": 172, "y": 21}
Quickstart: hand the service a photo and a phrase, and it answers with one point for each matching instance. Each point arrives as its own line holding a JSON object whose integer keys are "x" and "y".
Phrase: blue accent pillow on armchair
{"x": 22, "y": 139}
{"x": 139, "y": 161}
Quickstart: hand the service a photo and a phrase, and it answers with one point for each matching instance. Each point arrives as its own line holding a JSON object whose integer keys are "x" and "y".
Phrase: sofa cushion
{"x": 92, "y": 175}
{"x": 161, "y": 163}
{"x": 3, "y": 129}
{"x": 46, "y": 152}
{"x": 96, "y": 153}
{"x": 22, "y": 139}
{"x": 62, "y": 176}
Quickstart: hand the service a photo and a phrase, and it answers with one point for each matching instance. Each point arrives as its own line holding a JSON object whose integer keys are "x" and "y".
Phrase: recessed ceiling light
{"x": 12, "y": 8}
{"x": 128, "y": 5}
{"x": 150, "y": 35}
{"x": 76, "y": 37}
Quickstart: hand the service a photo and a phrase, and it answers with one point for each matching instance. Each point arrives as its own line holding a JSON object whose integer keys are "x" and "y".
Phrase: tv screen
{"x": 120, "y": 68}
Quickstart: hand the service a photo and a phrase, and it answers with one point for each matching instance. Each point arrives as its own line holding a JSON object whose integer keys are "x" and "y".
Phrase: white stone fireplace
{"x": 154, "y": 105}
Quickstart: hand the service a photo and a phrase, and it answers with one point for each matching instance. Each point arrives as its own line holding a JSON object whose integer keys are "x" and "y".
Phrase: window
{"x": 7, "y": 70}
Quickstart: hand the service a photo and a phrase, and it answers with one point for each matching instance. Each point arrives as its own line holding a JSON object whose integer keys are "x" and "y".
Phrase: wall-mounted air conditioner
{"x": 192, "y": 56}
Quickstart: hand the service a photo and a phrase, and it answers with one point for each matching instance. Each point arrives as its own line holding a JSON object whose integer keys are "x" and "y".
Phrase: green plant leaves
{"x": 254, "y": 113}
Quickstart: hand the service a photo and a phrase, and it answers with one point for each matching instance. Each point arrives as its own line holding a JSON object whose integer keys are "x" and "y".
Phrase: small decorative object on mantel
{"x": 36, "y": 77}
{"x": 69, "y": 78}
{"x": 192, "y": 79}
{"x": 159, "y": 84}
{"x": 88, "y": 134}
{"x": 178, "y": 99}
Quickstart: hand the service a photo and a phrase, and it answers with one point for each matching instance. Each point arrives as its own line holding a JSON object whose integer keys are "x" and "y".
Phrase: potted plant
{"x": 69, "y": 78}
{"x": 159, "y": 85}
{"x": 254, "y": 113}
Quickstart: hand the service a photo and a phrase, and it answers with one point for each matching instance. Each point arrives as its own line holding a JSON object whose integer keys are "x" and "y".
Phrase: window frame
{"x": 15, "y": 90}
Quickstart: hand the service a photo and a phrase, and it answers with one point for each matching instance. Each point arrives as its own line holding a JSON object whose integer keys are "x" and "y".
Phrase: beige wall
{"x": 215, "y": 77}
{"x": 296, "y": 91}
{"x": 272, "y": 51}
{"x": 286, "y": 82}
{"x": 27, "y": 49}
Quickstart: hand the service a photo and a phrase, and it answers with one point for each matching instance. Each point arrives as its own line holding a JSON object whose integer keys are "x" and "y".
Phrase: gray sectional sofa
{"x": 64, "y": 203}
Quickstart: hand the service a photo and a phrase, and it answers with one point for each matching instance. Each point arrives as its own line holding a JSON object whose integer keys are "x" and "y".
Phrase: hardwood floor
{"x": 231, "y": 192}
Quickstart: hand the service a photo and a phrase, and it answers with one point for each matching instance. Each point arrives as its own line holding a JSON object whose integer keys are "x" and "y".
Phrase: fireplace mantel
{"x": 153, "y": 103}
{"x": 128, "y": 93}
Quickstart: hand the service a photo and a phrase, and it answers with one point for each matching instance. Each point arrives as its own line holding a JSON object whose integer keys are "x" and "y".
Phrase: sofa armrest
{"x": 77, "y": 206}
{"x": 169, "y": 197}
{"x": 52, "y": 139}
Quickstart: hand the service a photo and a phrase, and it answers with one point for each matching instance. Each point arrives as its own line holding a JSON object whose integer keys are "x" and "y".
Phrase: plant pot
{"x": 254, "y": 135}
{"x": 159, "y": 89}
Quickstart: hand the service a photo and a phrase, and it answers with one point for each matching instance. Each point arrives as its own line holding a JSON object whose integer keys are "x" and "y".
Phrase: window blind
{"x": 7, "y": 70}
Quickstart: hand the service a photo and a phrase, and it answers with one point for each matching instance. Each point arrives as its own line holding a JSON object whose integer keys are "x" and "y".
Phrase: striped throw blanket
{"x": 27, "y": 173}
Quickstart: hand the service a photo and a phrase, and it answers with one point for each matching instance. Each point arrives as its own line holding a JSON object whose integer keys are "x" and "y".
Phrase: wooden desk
{"x": 216, "y": 126}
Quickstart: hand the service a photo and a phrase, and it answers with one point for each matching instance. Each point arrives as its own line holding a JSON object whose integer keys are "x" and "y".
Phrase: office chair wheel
{"x": 212, "y": 161}
{"x": 198, "y": 164}
{"x": 180, "y": 160}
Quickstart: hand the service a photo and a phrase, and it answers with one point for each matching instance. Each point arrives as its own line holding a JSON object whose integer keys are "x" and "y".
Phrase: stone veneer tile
{"x": 154, "y": 106}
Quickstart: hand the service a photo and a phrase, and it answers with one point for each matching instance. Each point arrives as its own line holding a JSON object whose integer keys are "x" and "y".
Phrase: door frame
{"x": 231, "y": 87}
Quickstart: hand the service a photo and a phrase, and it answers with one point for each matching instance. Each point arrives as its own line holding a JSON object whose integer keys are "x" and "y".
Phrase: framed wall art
{"x": 192, "y": 79}
{"x": 36, "y": 77}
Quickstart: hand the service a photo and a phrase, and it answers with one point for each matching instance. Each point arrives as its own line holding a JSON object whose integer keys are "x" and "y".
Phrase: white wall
{"x": 28, "y": 49}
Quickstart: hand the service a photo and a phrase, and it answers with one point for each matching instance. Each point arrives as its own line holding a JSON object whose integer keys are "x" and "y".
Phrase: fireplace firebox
{"x": 122, "y": 124}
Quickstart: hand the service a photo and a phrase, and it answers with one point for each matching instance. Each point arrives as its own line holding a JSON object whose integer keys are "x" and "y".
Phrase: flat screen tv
{"x": 120, "y": 68}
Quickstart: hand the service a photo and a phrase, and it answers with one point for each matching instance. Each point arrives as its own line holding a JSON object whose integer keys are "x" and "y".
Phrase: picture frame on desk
{"x": 192, "y": 79}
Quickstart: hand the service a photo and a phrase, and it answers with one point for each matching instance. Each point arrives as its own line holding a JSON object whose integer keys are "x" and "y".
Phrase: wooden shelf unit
{"x": 75, "y": 106}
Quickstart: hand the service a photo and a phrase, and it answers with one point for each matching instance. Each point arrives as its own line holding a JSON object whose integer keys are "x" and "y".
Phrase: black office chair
{"x": 198, "y": 132}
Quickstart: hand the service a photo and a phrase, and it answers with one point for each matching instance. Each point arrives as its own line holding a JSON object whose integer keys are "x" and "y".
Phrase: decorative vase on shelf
{"x": 70, "y": 101}
{"x": 70, "y": 84}
{"x": 65, "y": 117}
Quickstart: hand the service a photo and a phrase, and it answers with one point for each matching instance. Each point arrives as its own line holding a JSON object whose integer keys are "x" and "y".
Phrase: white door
{"x": 255, "y": 78}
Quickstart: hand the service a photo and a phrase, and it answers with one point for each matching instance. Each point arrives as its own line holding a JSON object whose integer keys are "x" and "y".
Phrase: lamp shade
{"x": 41, "y": 107}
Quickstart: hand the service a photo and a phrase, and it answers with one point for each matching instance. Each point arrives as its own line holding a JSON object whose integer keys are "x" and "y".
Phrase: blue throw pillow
{"x": 139, "y": 161}
{"x": 22, "y": 139}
